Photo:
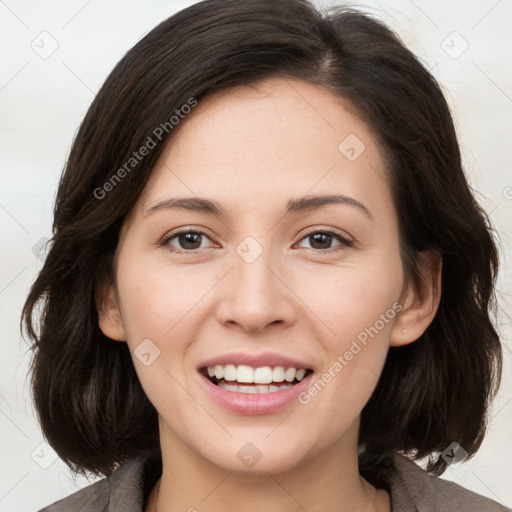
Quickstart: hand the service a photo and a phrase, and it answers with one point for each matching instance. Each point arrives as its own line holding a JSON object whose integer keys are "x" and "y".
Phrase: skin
{"x": 252, "y": 149}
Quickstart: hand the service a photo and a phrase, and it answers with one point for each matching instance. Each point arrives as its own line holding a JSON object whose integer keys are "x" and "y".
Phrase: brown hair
{"x": 91, "y": 406}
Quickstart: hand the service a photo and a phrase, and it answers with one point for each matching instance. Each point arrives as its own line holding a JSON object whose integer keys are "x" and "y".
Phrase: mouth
{"x": 260, "y": 380}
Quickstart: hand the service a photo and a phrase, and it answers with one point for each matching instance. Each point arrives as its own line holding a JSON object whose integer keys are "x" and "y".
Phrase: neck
{"x": 328, "y": 481}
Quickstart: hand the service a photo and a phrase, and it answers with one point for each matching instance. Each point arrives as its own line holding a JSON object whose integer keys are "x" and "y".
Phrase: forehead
{"x": 259, "y": 143}
{"x": 290, "y": 117}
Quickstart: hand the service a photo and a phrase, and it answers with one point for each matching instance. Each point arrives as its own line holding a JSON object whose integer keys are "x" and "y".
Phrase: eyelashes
{"x": 182, "y": 236}
{"x": 189, "y": 238}
{"x": 330, "y": 235}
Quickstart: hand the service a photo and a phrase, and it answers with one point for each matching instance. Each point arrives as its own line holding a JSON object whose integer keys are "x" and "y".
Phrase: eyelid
{"x": 345, "y": 241}
{"x": 165, "y": 240}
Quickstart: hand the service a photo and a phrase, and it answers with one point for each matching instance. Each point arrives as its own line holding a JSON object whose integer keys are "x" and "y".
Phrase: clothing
{"x": 411, "y": 488}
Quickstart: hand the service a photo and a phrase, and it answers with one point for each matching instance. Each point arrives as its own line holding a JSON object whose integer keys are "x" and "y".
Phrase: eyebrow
{"x": 294, "y": 206}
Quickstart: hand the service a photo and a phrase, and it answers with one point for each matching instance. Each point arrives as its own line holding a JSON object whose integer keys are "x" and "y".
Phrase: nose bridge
{"x": 256, "y": 296}
{"x": 252, "y": 264}
{"x": 255, "y": 284}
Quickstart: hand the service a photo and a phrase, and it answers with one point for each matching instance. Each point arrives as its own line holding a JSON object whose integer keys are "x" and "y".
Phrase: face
{"x": 319, "y": 282}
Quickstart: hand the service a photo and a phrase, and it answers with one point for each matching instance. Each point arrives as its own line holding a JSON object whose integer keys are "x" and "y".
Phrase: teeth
{"x": 289, "y": 374}
{"x": 245, "y": 373}
{"x": 230, "y": 387}
{"x": 278, "y": 374}
{"x": 230, "y": 372}
{"x": 261, "y": 375}
{"x": 219, "y": 371}
{"x": 262, "y": 388}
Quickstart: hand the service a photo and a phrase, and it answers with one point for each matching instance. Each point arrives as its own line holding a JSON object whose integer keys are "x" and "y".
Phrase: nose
{"x": 257, "y": 294}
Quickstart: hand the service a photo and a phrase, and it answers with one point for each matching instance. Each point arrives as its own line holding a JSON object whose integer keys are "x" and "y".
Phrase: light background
{"x": 43, "y": 100}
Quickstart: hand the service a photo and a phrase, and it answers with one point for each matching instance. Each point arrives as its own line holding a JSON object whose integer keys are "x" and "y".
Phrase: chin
{"x": 255, "y": 457}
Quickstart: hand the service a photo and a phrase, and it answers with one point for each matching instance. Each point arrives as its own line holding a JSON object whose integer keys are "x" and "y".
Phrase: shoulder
{"x": 125, "y": 490}
{"x": 431, "y": 493}
{"x": 92, "y": 497}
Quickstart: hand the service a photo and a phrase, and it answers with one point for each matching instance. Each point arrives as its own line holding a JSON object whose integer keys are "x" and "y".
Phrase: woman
{"x": 269, "y": 284}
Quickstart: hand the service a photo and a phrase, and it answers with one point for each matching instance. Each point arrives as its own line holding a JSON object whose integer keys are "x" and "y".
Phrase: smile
{"x": 246, "y": 390}
{"x": 246, "y": 379}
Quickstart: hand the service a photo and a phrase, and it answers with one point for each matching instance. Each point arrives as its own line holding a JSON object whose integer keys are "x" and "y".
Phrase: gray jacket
{"x": 411, "y": 488}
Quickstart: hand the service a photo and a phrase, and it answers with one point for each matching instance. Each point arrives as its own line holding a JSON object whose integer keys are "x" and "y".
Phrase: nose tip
{"x": 254, "y": 296}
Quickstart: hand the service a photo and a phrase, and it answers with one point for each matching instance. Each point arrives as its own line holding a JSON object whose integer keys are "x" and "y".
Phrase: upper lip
{"x": 255, "y": 360}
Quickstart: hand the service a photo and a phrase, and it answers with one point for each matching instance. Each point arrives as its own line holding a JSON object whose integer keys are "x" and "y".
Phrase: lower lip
{"x": 254, "y": 403}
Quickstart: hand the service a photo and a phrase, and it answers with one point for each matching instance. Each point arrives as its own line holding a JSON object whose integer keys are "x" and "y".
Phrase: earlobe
{"x": 109, "y": 315}
{"x": 421, "y": 302}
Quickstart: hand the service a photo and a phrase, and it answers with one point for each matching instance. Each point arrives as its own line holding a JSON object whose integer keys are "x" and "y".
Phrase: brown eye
{"x": 322, "y": 240}
{"x": 184, "y": 241}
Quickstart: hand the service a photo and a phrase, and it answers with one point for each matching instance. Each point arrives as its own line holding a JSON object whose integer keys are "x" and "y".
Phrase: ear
{"x": 110, "y": 319}
{"x": 421, "y": 302}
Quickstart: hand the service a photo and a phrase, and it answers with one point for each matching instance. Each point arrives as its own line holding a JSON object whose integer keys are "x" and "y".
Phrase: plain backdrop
{"x": 54, "y": 57}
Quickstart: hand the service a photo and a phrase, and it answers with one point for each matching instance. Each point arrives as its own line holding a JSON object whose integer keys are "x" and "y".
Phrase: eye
{"x": 190, "y": 240}
{"x": 187, "y": 240}
{"x": 322, "y": 239}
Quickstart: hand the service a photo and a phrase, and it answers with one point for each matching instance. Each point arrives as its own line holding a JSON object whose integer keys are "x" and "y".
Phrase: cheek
{"x": 352, "y": 298}
{"x": 157, "y": 299}
{"x": 360, "y": 315}
{"x": 354, "y": 313}
{"x": 160, "y": 308}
